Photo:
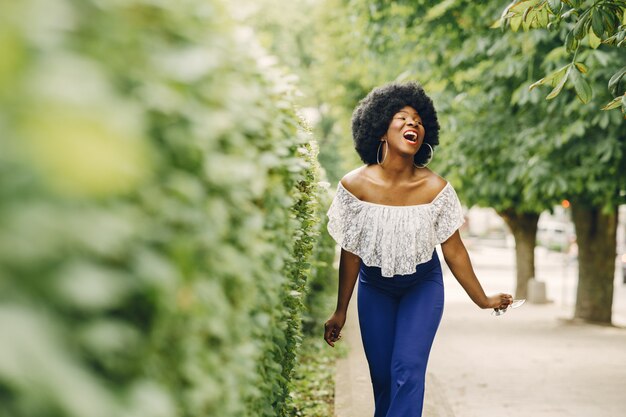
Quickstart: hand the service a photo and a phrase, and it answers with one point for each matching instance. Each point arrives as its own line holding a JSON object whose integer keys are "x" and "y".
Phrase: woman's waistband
{"x": 374, "y": 273}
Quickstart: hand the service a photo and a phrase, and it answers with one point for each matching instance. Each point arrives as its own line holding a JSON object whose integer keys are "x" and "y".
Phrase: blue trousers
{"x": 399, "y": 317}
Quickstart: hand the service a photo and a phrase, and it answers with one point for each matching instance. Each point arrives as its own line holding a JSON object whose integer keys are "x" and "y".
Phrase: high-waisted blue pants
{"x": 399, "y": 317}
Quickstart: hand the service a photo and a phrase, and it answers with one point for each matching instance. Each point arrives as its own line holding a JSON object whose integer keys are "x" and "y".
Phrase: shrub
{"x": 157, "y": 213}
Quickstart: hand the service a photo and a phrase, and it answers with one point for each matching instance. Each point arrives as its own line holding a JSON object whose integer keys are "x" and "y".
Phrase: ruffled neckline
{"x": 355, "y": 198}
{"x": 394, "y": 238}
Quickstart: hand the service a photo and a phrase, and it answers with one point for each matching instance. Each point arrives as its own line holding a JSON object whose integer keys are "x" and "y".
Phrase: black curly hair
{"x": 373, "y": 114}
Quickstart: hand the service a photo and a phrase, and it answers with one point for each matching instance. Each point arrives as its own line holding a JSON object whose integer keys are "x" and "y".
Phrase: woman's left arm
{"x": 458, "y": 261}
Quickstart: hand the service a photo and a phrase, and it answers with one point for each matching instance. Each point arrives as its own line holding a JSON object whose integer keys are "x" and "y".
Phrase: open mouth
{"x": 410, "y": 136}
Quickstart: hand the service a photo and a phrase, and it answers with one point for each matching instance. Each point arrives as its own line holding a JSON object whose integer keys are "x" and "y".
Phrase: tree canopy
{"x": 581, "y": 25}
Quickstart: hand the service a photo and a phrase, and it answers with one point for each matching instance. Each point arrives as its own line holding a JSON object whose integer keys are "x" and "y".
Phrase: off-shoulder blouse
{"x": 394, "y": 238}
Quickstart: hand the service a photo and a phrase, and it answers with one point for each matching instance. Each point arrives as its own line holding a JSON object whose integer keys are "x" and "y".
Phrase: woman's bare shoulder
{"x": 433, "y": 183}
{"x": 429, "y": 184}
{"x": 436, "y": 180}
{"x": 354, "y": 180}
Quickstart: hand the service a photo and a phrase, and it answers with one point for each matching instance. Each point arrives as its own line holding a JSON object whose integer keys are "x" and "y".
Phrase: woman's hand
{"x": 500, "y": 301}
{"x": 333, "y": 326}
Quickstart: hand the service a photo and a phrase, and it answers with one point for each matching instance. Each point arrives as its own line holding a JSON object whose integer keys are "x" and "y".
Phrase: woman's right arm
{"x": 349, "y": 264}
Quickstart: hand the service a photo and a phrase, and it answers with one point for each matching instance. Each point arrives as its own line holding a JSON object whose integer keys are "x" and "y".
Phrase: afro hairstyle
{"x": 373, "y": 114}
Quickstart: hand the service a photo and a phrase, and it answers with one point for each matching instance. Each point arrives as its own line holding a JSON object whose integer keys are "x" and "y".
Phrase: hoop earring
{"x": 378, "y": 152}
{"x": 432, "y": 154}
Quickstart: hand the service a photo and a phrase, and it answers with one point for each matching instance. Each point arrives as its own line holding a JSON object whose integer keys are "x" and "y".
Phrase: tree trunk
{"x": 596, "y": 237}
{"x": 524, "y": 229}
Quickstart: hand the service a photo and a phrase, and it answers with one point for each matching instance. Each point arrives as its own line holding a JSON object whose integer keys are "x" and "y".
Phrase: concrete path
{"x": 532, "y": 361}
{"x": 529, "y": 363}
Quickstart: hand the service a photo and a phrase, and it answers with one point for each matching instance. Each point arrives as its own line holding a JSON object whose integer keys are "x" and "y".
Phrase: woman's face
{"x": 406, "y": 131}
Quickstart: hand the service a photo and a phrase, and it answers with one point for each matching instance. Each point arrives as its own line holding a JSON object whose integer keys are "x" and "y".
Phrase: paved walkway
{"x": 532, "y": 361}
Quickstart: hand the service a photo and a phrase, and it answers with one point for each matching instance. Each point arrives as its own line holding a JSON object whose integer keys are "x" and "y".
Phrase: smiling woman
{"x": 388, "y": 216}
{"x": 408, "y": 108}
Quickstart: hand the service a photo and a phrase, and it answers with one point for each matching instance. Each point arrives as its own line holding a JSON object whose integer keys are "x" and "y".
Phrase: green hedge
{"x": 321, "y": 294}
{"x": 157, "y": 213}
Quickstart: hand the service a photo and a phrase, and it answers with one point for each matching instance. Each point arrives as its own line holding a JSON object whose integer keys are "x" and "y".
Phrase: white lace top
{"x": 394, "y": 238}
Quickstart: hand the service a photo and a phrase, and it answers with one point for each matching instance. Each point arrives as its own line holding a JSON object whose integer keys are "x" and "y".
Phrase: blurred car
{"x": 555, "y": 235}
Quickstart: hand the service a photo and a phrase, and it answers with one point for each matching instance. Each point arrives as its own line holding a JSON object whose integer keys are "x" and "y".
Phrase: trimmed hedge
{"x": 158, "y": 210}
{"x": 321, "y": 294}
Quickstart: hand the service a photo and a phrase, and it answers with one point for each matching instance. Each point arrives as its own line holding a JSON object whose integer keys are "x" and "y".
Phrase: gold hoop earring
{"x": 432, "y": 154}
{"x": 378, "y": 152}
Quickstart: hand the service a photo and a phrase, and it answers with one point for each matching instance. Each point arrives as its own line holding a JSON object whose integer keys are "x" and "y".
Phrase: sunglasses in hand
{"x": 514, "y": 304}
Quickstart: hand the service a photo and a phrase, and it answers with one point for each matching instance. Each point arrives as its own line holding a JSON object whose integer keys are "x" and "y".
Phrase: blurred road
{"x": 532, "y": 361}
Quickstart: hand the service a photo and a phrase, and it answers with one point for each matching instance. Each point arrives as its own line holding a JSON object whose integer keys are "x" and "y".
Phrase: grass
{"x": 313, "y": 391}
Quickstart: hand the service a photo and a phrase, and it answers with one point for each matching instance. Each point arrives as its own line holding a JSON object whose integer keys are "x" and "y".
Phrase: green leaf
{"x": 536, "y": 83}
{"x": 526, "y": 13}
{"x": 543, "y": 18}
{"x": 608, "y": 21}
{"x": 594, "y": 41}
{"x": 527, "y": 24}
{"x": 553, "y": 78}
{"x": 581, "y": 67}
{"x": 506, "y": 13}
{"x": 596, "y": 23}
{"x": 613, "y": 104}
{"x": 568, "y": 13}
{"x": 554, "y": 6}
{"x": 579, "y": 28}
{"x": 520, "y": 6}
{"x": 527, "y": 18}
{"x": 496, "y": 24}
{"x": 582, "y": 87}
{"x": 561, "y": 82}
{"x": 571, "y": 43}
{"x": 615, "y": 80}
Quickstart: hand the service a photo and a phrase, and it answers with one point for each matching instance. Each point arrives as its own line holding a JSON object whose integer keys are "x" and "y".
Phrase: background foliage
{"x": 158, "y": 211}
{"x": 588, "y": 24}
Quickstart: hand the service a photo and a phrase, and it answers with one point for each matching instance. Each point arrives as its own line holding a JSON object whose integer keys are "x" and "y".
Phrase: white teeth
{"x": 410, "y": 136}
